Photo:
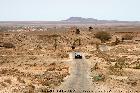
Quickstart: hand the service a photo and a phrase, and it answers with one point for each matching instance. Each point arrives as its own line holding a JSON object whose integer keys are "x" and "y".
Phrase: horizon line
{"x": 65, "y": 20}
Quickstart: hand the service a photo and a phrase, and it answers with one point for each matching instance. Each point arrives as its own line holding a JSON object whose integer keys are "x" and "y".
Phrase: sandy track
{"x": 79, "y": 79}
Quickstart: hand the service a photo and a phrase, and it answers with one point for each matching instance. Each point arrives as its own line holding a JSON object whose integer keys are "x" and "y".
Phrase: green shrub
{"x": 99, "y": 77}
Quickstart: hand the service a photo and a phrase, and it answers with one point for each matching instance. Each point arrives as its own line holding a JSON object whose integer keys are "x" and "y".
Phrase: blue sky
{"x": 51, "y": 10}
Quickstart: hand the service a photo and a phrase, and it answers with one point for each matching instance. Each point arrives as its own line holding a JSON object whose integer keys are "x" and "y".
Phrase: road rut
{"x": 79, "y": 80}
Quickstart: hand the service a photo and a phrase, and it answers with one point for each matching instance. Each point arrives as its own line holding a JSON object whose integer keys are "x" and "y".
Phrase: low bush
{"x": 99, "y": 77}
{"x": 132, "y": 82}
{"x": 8, "y": 45}
{"x": 95, "y": 67}
{"x": 127, "y": 37}
{"x": 3, "y": 84}
{"x": 20, "y": 80}
{"x": 103, "y": 36}
{"x": 8, "y": 81}
{"x": 137, "y": 66}
{"x": 115, "y": 71}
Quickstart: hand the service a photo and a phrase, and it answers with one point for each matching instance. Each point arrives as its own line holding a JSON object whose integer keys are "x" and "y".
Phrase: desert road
{"x": 79, "y": 80}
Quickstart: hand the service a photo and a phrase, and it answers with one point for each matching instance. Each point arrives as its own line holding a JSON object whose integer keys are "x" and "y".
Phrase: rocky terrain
{"x": 37, "y": 61}
{"x": 117, "y": 70}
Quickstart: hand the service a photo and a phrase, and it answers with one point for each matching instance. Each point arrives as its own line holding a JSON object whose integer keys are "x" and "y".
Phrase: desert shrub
{"x": 31, "y": 88}
{"x": 32, "y": 58}
{"x": 99, "y": 77}
{"x": 77, "y": 42}
{"x": 97, "y": 46}
{"x": 8, "y": 81}
{"x": 45, "y": 83}
{"x": 95, "y": 67}
{"x": 90, "y": 28}
{"x": 103, "y": 36}
{"x": 3, "y": 84}
{"x": 132, "y": 82}
{"x": 117, "y": 41}
{"x": 77, "y": 31}
{"x": 51, "y": 67}
{"x": 62, "y": 55}
{"x": 117, "y": 69}
{"x": 88, "y": 56}
{"x": 3, "y": 71}
{"x": 15, "y": 90}
{"x": 127, "y": 37}
{"x": 137, "y": 66}
{"x": 20, "y": 80}
{"x": 103, "y": 55}
{"x": 120, "y": 63}
{"x": 8, "y": 45}
{"x": 65, "y": 55}
{"x": 39, "y": 46}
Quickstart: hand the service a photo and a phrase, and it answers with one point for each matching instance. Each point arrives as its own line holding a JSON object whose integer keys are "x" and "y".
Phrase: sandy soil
{"x": 37, "y": 61}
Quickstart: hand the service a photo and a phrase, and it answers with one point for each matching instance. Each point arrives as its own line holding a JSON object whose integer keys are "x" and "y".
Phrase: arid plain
{"x": 39, "y": 59}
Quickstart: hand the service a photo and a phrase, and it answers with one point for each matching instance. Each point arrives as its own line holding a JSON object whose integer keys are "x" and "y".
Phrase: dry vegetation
{"x": 30, "y": 63}
{"x": 33, "y": 62}
{"x": 118, "y": 67}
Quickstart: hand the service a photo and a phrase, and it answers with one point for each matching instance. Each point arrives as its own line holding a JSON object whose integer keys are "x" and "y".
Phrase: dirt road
{"x": 79, "y": 79}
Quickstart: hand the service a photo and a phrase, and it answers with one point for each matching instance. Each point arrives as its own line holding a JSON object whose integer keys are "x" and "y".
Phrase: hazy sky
{"x": 50, "y": 10}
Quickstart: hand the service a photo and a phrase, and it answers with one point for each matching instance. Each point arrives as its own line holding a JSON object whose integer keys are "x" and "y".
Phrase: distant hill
{"x": 92, "y": 20}
{"x": 80, "y": 19}
{"x": 70, "y": 21}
